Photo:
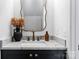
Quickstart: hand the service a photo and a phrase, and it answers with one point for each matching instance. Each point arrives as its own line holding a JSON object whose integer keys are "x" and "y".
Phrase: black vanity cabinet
{"x": 50, "y": 54}
{"x": 33, "y": 54}
{"x": 10, "y": 54}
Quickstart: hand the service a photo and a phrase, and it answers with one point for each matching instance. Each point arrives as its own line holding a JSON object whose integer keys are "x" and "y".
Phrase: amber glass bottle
{"x": 46, "y": 36}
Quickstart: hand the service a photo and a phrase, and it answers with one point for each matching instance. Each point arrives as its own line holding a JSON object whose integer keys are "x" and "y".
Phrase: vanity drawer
{"x": 13, "y": 51}
{"x": 46, "y": 51}
{"x": 15, "y": 54}
{"x": 33, "y": 51}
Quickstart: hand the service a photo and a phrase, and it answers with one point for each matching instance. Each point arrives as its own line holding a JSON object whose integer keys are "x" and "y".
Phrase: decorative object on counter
{"x": 13, "y": 21}
{"x": 18, "y": 24}
{"x": 21, "y": 22}
{"x": 46, "y": 36}
{"x": 17, "y": 35}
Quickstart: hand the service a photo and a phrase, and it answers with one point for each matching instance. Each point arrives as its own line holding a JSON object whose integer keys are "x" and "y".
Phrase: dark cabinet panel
{"x": 10, "y": 54}
{"x": 15, "y": 56}
{"x": 47, "y": 56}
{"x": 33, "y": 54}
{"x": 50, "y": 55}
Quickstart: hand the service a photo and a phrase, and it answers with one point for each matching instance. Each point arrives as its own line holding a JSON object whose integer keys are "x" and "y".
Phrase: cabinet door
{"x": 30, "y": 56}
{"x": 15, "y": 56}
{"x": 9, "y": 54}
{"x": 49, "y": 55}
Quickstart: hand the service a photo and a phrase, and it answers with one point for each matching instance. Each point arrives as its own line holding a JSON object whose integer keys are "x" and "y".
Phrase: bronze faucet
{"x": 33, "y": 37}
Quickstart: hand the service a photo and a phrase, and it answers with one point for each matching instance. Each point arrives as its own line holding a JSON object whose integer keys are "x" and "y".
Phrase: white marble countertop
{"x": 35, "y": 45}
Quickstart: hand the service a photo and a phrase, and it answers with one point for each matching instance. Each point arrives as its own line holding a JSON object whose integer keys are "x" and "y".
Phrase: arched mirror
{"x": 34, "y": 13}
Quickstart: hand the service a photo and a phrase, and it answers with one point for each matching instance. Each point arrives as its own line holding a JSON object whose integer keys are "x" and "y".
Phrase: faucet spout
{"x": 33, "y": 36}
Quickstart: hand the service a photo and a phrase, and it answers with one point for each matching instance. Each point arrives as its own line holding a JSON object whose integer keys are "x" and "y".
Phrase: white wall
{"x": 72, "y": 41}
{"x": 6, "y": 12}
{"x": 77, "y": 29}
{"x": 57, "y": 18}
{"x": 17, "y": 8}
{"x": 59, "y": 15}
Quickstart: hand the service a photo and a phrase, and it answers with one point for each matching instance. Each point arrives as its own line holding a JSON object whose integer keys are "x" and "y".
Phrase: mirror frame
{"x": 45, "y": 22}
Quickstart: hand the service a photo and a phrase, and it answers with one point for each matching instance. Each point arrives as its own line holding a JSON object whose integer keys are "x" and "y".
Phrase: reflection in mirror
{"x": 34, "y": 13}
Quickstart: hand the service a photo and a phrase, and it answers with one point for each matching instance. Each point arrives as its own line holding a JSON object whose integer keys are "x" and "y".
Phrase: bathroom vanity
{"x": 34, "y": 50}
{"x": 33, "y": 54}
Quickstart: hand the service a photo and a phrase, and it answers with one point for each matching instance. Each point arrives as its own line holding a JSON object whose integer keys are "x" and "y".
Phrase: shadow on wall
{"x": 6, "y": 12}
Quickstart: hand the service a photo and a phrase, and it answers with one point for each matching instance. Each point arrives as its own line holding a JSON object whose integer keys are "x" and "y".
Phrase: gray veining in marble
{"x": 52, "y": 44}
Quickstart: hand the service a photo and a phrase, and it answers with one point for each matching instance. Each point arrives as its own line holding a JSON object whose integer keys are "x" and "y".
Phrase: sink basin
{"x": 34, "y": 44}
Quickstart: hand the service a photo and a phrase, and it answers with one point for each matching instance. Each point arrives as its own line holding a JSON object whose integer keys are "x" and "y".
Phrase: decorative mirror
{"x": 34, "y": 13}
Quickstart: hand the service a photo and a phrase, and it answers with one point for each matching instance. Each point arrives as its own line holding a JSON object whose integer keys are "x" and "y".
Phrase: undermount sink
{"x": 34, "y": 44}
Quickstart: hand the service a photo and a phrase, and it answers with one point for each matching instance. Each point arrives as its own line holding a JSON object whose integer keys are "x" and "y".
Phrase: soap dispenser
{"x": 46, "y": 36}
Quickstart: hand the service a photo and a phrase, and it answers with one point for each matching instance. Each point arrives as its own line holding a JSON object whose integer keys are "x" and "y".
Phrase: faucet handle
{"x": 38, "y": 38}
{"x": 28, "y": 38}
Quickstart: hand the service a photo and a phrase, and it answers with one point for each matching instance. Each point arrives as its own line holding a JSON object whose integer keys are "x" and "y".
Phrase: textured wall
{"x": 57, "y": 17}
{"x": 6, "y": 12}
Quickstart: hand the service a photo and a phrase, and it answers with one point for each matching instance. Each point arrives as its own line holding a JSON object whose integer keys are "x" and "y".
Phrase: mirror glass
{"x": 33, "y": 12}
